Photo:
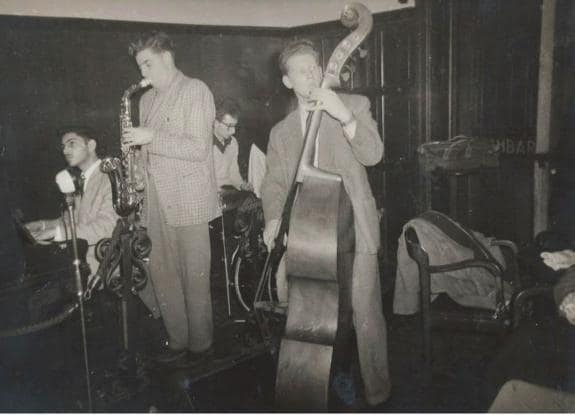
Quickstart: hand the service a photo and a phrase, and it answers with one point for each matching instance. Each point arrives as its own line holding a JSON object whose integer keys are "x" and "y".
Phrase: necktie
{"x": 81, "y": 182}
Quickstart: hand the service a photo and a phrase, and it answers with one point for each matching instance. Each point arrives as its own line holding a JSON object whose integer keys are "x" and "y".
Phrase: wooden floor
{"x": 44, "y": 371}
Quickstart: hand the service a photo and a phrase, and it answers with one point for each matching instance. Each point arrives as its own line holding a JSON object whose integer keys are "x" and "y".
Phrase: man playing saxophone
{"x": 96, "y": 217}
{"x": 176, "y": 119}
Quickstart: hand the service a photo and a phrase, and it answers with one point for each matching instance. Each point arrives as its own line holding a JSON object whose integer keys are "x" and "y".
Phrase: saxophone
{"x": 125, "y": 175}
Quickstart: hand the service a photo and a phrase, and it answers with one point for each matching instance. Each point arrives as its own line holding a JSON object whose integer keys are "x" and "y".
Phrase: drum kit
{"x": 242, "y": 250}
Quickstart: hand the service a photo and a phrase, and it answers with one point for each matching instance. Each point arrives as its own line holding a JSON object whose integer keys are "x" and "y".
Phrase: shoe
{"x": 344, "y": 395}
{"x": 344, "y": 388}
{"x": 168, "y": 355}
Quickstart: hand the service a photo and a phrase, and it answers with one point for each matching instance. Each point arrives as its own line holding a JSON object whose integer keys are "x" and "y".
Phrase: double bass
{"x": 318, "y": 216}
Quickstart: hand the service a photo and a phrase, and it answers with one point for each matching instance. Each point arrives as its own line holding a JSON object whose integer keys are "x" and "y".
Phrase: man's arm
{"x": 559, "y": 260}
{"x": 43, "y": 229}
{"x": 196, "y": 142}
{"x": 274, "y": 188}
{"x": 354, "y": 116}
{"x": 564, "y": 292}
{"x": 366, "y": 144}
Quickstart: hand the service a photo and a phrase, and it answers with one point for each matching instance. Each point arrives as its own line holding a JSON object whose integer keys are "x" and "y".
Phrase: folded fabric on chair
{"x": 471, "y": 287}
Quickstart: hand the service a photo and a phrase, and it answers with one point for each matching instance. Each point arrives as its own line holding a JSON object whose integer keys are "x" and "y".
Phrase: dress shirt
{"x": 226, "y": 164}
{"x": 89, "y": 171}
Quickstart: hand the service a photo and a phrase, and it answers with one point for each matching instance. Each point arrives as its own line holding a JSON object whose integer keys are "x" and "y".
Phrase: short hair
{"x": 155, "y": 40}
{"x": 296, "y": 47}
{"x": 227, "y": 105}
{"x": 87, "y": 133}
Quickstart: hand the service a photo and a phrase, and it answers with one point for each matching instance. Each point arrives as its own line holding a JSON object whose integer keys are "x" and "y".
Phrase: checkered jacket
{"x": 179, "y": 158}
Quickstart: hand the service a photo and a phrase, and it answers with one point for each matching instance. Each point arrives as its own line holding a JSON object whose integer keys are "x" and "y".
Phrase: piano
{"x": 35, "y": 279}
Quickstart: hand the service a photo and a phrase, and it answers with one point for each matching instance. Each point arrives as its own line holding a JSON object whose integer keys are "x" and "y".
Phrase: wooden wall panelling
{"x": 35, "y": 94}
{"x": 480, "y": 80}
{"x": 508, "y": 37}
{"x": 245, "y": 67}
{"x": 400, "y": 45}
{"x": 519, "y": 127}
{"x": 562, "y": 203}
{"x": 74, "y": 71}
{"x": 63, "y": 71}
{"x": 435, "y": 92}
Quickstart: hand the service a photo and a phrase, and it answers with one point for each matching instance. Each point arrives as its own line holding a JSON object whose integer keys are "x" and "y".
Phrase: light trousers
{"x": 180, "y": 278}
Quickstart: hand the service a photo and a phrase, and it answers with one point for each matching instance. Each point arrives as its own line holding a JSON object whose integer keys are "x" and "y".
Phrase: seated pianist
{"x": 95, "y": 215}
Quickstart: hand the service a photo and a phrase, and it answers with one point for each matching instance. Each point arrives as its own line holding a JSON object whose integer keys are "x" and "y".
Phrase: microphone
{"x": 66, "y": 185}
{"x": 65, "y": 182}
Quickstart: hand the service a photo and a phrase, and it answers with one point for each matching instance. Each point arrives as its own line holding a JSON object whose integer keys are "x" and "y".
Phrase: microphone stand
{"x": 79, "y": 292}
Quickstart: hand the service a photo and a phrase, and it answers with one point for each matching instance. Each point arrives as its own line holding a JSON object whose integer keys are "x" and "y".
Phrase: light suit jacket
{"x": 337, "y": 154}
{"x": 95, "y": 214}
{"x": 179, "y": 158}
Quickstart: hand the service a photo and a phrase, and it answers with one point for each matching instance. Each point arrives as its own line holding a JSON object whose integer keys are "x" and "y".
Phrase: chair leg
{"x": 425, "y": 309}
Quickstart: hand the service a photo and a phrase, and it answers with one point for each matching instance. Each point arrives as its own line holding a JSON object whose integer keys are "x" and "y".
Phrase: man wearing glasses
{"x": 226, "y": 146}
